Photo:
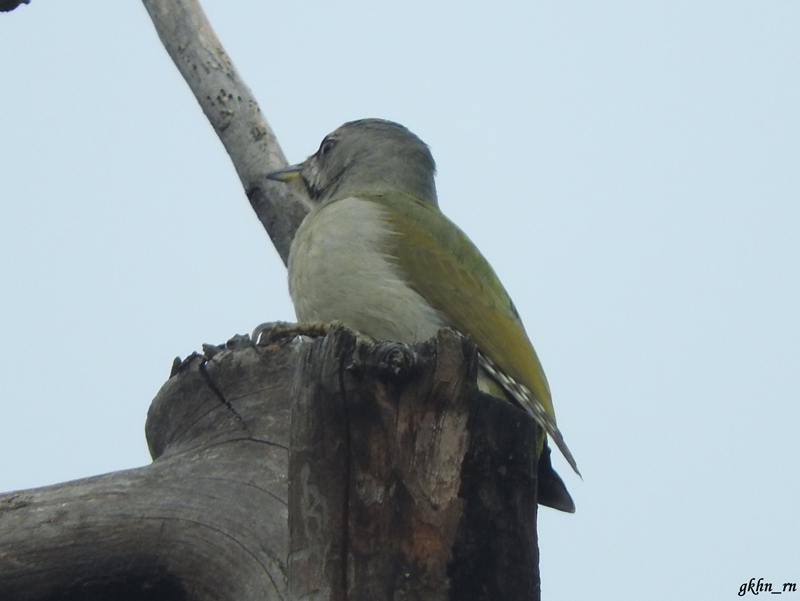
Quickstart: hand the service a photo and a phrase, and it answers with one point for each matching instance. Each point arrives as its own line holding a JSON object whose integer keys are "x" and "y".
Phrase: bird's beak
{"x": 286, "y": 175}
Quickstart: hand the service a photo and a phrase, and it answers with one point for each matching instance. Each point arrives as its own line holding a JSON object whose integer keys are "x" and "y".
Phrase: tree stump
{"x": 325, "y": 469}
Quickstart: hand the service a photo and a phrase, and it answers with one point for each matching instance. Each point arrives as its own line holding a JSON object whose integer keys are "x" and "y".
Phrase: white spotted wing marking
{"x": 522, "y": 395}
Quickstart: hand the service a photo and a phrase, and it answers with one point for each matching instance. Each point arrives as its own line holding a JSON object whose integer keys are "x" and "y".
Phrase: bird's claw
{"x": 275, "y": 331}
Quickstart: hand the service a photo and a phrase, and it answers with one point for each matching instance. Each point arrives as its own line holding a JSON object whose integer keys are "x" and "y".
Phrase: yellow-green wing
{"x": 444, "y": 266}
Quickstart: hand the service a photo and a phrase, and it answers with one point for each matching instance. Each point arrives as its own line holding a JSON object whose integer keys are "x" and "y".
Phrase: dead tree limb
{"x": 206, "y": 520}
{"x": 316, "y": 470}
{"x": 396, "y": 477}
{"x": 232, "y": 111}
{"x": 9, "y": 5}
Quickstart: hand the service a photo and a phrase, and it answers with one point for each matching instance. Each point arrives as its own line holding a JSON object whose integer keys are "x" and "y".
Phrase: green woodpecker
{"x": 376, "y": 254}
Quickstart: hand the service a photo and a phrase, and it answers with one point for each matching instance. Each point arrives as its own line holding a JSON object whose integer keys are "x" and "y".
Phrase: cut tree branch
{"x": 396, "y": 477}
{"x": 206, "y": 520}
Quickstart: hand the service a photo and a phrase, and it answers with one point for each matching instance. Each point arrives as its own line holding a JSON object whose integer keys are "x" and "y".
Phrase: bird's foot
{"x": 277, "y": 331}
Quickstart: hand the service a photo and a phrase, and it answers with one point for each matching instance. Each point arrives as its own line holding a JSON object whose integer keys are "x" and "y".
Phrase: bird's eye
{"x": 326, "y": 147}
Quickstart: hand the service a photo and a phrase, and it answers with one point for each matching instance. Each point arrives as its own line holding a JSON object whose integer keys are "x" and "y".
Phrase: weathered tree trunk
{"x": 321, "y": 469}
{"x": 407, "y": 483}
{"x": 324, "y": 469}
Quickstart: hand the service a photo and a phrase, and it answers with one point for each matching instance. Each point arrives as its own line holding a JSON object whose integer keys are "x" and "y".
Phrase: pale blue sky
{"x": 629, "y": 168}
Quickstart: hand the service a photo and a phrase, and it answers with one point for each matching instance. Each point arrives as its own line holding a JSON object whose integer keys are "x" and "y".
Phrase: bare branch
{"x": 233, "y": 113}
{"x": 9, "y": 5}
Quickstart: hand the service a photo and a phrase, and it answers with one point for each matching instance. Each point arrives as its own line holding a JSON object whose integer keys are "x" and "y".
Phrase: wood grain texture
{"x": 206, "y": 520}
{"x": 407, "y": 482}
{"x": 325, "y": 469}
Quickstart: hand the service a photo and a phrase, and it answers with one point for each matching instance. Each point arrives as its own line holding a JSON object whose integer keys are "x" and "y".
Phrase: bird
{"x": 376, "y": 254}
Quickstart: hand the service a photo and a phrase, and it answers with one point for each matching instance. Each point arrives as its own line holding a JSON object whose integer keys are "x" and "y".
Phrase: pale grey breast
{"x": 339, "y": 271}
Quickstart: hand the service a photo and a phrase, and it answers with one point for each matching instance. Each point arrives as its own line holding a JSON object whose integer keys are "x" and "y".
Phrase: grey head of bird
{"x": 366, "y": 157}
